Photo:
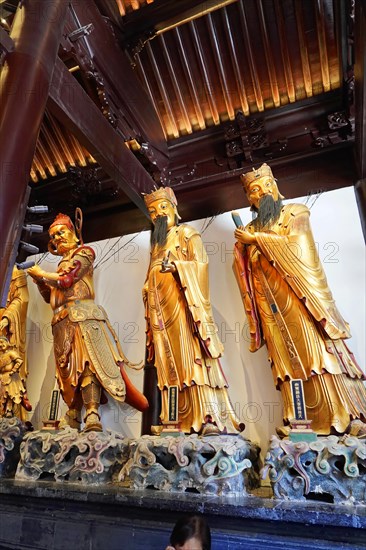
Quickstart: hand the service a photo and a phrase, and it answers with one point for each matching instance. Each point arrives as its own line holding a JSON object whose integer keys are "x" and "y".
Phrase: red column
{"x": 24, "y": 86}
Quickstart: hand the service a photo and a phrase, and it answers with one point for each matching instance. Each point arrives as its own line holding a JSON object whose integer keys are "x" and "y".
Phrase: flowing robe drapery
{"x": 290, "y": 307}
{"x": 16, "y": 314}
{"x": 12, "y": 388}
{"x": 183, "y": 334}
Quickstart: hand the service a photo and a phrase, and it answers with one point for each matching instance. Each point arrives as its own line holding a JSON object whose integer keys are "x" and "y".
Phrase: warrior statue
{"x": 89, "y": 358}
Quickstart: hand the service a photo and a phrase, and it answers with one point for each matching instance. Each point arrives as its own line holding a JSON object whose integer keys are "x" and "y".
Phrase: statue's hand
{"x": 167, "y": 266}
{"x": 36, "y": 272}
{"x": 244, "y": 236}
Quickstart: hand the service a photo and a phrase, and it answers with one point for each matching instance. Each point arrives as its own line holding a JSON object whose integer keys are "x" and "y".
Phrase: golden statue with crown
{"x": 182, "y": 337}
{"x": 290, "y": 308}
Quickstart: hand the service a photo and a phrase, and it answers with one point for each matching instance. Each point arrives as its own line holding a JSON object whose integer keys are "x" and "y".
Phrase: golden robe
{"x": 289, "y": 307}
{"x": 83, "y": 335}
{"x": 16, "y": 313}
{"x": 183, "y": 334}
{"x": 12, "y": 388}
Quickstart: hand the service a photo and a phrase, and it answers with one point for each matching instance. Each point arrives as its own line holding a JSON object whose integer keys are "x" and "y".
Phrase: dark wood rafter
{"x": 271, "y": 68}
{"x": 239, "y": 78}
{"x": 177, "y": 90}
{"x": 190, "y": 78}
{"x": 324, "y": 62}
{"x": 165, "y": 98}
{"x": 70, "y": 104}
{"x": 360, "y": 109}
{"x": 303, "y": 50}
{"x": 360, "y": 87}
{"x": 113, "y": 65}
{"x": 220, "y": 66}
{"x": 251, "y": 59}
{"x": 206, "y": 80}
{"x": 285, "y": 52}
{"x": 145, "y": 22}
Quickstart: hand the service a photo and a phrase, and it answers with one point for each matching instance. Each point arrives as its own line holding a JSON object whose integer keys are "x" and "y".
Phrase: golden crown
{"x": 247, "y": 178}
{"x": 163, "y": 193}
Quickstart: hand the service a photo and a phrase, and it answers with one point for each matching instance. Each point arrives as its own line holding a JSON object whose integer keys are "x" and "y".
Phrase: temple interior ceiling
{"x": 199, "y": 92}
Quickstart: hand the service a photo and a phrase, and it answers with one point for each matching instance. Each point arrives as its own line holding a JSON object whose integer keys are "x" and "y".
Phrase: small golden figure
{"x": 13, "y": 320}
{"x": 12, "y": 389}
{"x": 182, "y": 337}
{"x": 290, "y": 307}
{"x": 89, "y": 358}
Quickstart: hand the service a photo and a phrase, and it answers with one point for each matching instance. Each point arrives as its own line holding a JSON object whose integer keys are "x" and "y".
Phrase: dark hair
{"x": 188, "y": 527}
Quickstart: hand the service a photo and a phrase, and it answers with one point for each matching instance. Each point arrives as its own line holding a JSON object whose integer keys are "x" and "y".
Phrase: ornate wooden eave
{"x": 143, "y": 94}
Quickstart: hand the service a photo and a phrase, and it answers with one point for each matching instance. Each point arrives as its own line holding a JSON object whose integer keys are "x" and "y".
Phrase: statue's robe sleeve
{"x": 242, "y": 273}
{"x": 294, "y": 255}
{"x": 192, "y": 270}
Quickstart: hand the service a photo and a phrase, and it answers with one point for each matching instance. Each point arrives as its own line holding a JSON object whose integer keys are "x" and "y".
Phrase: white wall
{"x": 118, "y": 283}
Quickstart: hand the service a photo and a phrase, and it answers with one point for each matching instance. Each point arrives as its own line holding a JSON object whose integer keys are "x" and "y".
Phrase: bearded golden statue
{"x": 89, "y": 358}
{"x": 289, "y": 307}
{"x": 13, "y": 319}
{"x": 182, "y": 335}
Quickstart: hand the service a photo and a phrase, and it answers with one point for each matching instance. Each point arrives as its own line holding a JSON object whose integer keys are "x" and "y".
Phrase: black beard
{"x": 160, "y": 231}
{"x": 268, "y": 212}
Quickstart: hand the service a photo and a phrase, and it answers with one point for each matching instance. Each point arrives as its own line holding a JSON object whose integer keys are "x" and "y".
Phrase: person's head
{"x": 262, "y": 193}
{"x": 62, "y": 235}
{"x": 4, "y": 343}
{"x": 191, "y": 533}
{"x": 162, "y": 207}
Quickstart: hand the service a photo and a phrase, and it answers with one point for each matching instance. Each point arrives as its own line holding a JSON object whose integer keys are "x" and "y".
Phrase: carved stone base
{"x": 331, "y": 469}
{"x": 209, "y": 464}
{"x": 67, "y": 455}
{"x": 12, "y": 431}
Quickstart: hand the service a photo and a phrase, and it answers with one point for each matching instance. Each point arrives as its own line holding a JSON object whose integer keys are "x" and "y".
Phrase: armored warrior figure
{"x": 89, "y": 358}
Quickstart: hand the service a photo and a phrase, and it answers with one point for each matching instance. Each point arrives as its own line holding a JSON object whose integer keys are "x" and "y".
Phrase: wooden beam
{"x": 163, "y": 14}
{"x": 73, "y": 107}
{"x": 115, "y": 69}
{"x": 6, "y": 43}
{"x": 360, "y": 87}
{"x": 24, "y": 83}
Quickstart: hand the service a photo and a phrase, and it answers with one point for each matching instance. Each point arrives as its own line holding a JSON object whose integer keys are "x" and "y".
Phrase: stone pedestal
{"x": 331, "y": 469}
{"x": 67, "y": 455}
{"x": 211, "y": 464}
{"x": 215, "y": 464}
{"x": 12, "y": 431}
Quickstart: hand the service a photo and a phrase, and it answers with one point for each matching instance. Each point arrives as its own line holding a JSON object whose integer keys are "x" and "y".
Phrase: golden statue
{"x": 89, "y": 358}
{"x": 289, "y": 307}
{"x": 182, "y": 336}
{"x": 12, "y": 389}
{"x": 13, "y": 326}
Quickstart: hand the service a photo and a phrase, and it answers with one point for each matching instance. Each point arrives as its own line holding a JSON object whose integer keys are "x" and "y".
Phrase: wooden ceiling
{"x": 199, "y": 92}
{"x": 250, "y": 56}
